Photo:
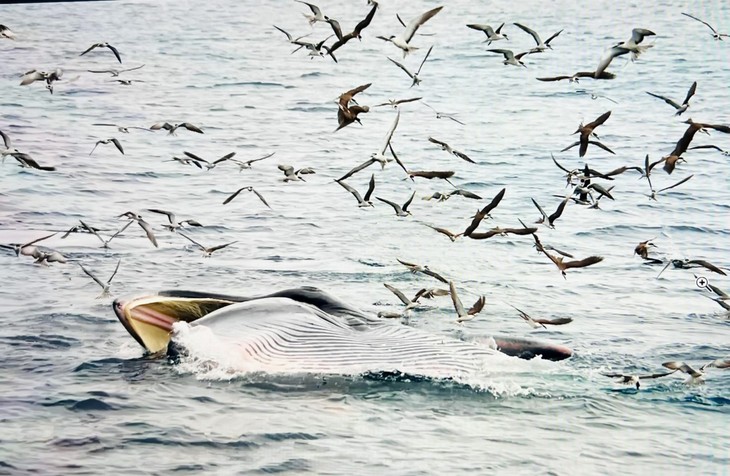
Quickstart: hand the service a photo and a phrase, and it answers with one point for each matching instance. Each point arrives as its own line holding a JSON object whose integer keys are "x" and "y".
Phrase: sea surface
{"x": 78, "y": 395}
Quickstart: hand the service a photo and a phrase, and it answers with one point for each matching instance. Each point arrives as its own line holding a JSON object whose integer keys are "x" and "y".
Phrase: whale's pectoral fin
{"x": 149, "y": 319}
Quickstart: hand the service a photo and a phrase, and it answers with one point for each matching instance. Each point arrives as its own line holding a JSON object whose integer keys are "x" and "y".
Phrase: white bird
{"x": 401, "y": 211}
{"x": 380, "y": 154}
{"x": 402, "y": 41}
{"x": 361, "y": 202}
{"x": 105, "y": 286}
{"x": 715, "y": 34}
{"x": 541, "y": 46}
{"x": 316, "y": 13}
{"x": 464, "y": 315}
{"x": 413, "y": 76}
{"x": 492, "y": 34}
{"x": 5, "y": 32}
{"x": 104, "y": 45}
{"x": 510, "y": 57}
{"x": 632, "y": 44}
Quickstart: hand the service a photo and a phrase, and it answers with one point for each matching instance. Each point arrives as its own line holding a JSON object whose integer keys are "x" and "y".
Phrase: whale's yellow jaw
{"x": 149, "y": 319}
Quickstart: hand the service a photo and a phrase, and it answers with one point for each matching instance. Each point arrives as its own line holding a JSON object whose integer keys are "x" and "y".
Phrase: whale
{"x": 306, "y": 330}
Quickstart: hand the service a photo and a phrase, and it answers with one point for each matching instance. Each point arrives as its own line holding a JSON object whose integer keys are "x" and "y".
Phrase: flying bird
{"x": 715, "y": 34}
{"x": 114, "y": 141}
{"x": 541, "y": 46}
{"x": 462, "y": 314}
{"x": 248, "y": 189}
{"x": 114, "y": 72}
{"x": 104, "y": 45}
{"x": 586, "y": 132}
{"x": 510, "y": 58}
{"x": 361, "y": 202}
{"x": 447, "y": 148}
{"x": 402, "y": 41}
{"x": 6, "y": 32}
{"x": 492, "y": 34}
{"x": 172, "y": 219}
{"x": 417, "y": 268}
{"x": 401, "y": 211}
{"x": 170, "y": 128}
{"x": 207, "y": 251}
{"x": 105, "y": 285}
{"x": 679, "y": 107}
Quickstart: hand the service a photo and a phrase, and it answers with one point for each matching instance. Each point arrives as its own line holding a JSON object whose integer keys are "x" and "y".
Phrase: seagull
{"x": 209, "y": 165}
{"x": 174, "y": 224}
{"x": 291, "y": 175}
{"x": 26, "y": 161}
{"x": 413, "y": 76}
{"x": 379, "y": 156}
{"x": 34, "y": 75}
{"x": 710, "y": 146}
{"x": 631, "y": 379}
{"x": 464, "y": 315}
{"x": 402, "y": 297}
{"x": 77, "y": 229}
{"x": 143, "y": 224}
{"x": 586, "y": 131}
{"x": 549, "y": 220}
{"x": 104, "y": 45}
{"x": 115, "y": 72}
{"x": 397, "y": 102}
{"x": 718, "y": 364}
{"x": 294, "y": 41}
{"x": 114, "y": 141}
{"x": 693, "y": 263}
{"x": 355, "y": 33}
{"x": 242, "y": 165}
{"x": 207, "y": 251}
{"x": 444, "y": 115}
{"x": 27, "y": 249}
{"x": 361, "y": 202}
{"x": 695, "y": 376}
{"x": 492, "y": 34}
{"x": 402, "y": 41}
{"x": 105, "y": 286}
{"x": 248, "y": 189}
{"x": 45, "y": 257}
{"x": 536, "y": 323}
{"x": 7, "y": 143}
{"x": 447, "y": 148}
{"x": 484, "y": 212}
{"x": 715, "y": 34}
{"x": 399, "y": 211}
{"x": 540, "y": 45}
{"x": 574, "y": 78}
{"x": 679, "y": 107}
{"x": 654, "y": 193}
{"x": 172, "y": 128}
{"x": 510, "y": 57}
{"x": 122, "y": 129}
{"x": 633, "y": 43}
{"x": 417, "y": 268}
{"x": 95, "y": 232}
{"x": 316, "y": 16}
{"x": 5, "y": 32}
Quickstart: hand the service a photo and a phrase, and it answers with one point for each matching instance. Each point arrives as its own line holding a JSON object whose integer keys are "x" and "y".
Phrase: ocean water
{"x": 79, "y": 396}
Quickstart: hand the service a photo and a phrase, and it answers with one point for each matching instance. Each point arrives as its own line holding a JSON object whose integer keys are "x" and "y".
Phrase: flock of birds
{"x": 589, "y": 186}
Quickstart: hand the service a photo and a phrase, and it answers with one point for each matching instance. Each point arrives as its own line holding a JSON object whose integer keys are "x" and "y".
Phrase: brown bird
{"x": 563, "y": 265}
{"x": 693, "y": 263}
{"x": 502, "y": 232}
{"x": 446, "y": 232}
{"x": 347, "y": 114}
{"x": 679, "y": 107}
{"x": 670, "y": 162}
{"x": 695, "y": 376}
{"x": 464, "y": 315}
{"x": 586, "y": 131}
{"x": 484, "y": 212}
{"x": 642, "y": 249}
{"x": 694, "y": 127}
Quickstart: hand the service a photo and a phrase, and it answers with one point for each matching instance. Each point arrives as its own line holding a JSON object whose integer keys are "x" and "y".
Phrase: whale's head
{"x": 149, "y": 318}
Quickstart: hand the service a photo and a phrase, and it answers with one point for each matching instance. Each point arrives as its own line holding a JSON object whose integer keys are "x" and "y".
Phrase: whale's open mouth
{"x": 149, "y": 318}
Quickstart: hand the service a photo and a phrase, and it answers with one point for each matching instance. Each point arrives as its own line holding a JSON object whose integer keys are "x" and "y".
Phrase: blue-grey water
{"x": 77, "y": 395}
